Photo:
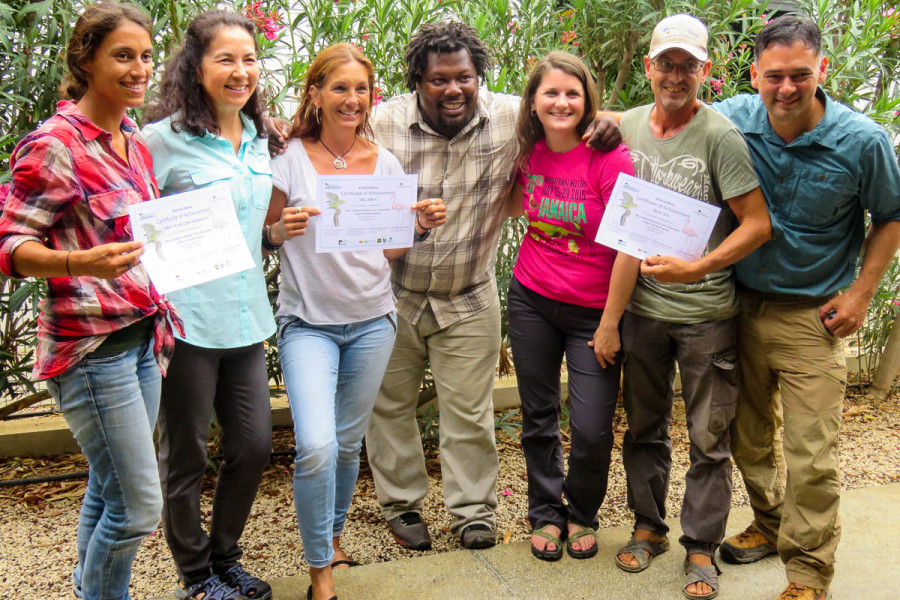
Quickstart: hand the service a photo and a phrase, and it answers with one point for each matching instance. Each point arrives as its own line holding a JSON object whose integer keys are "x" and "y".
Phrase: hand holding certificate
{"x": 644, "y": 220}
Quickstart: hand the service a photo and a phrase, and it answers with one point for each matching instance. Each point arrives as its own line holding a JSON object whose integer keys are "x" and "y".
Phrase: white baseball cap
{"x": 683, "y": 32}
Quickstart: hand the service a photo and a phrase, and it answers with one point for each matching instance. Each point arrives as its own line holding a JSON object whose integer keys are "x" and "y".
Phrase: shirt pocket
{"x": 827, "y": 197}
{"x": 208, "y": 176}
{"x": 113, "y": 204}
{"x": 262, "y": 182}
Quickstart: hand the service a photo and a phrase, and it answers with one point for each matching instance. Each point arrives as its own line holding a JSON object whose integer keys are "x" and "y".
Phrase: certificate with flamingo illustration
{"x": 365, "y": 211}
{"x": 643, "y": 219}
{"x": 190, "y": 238}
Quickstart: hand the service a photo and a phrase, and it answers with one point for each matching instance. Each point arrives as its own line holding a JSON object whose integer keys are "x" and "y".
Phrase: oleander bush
{"x": 862, "y": 41}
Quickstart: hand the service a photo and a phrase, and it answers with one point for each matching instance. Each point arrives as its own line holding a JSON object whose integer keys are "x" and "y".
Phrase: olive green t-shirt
{"x": 707, "y": 160}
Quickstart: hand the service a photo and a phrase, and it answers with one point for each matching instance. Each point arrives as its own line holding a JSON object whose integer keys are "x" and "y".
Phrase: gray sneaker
{"x": 477, "y": 536}
{"x": 211, "y": 588}
{"x": 410, "y": 531}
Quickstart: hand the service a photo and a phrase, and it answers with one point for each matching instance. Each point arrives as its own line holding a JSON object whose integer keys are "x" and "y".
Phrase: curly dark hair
{"x": 95, "y": 23}
{"x": 181, "y": 93}
{"x": 442, "y": 37}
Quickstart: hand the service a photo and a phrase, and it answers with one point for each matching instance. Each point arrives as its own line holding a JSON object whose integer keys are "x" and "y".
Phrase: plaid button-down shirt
{"x": 71, "y": 191}
{"x": 452, "y": 270}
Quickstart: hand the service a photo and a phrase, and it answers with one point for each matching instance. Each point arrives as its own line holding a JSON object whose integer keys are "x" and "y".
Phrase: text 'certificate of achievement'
{"x": 190, "y": 238}
{"x": 643, "y": 219}
{"x": 365, "y": 211}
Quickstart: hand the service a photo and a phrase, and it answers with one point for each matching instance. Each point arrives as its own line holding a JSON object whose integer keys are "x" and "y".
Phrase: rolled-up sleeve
{"x": 43, "y": 187}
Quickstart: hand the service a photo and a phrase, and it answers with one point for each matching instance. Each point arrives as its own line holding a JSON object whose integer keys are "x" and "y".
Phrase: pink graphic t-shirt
{"x": 565, "y": 196}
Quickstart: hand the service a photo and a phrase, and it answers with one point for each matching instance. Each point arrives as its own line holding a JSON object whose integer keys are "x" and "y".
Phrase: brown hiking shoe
{"x": 795, "y": 591}
{"x": 746, "y": 547}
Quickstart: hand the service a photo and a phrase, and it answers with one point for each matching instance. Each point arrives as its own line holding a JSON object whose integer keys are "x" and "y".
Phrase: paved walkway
{"x": 868, "y": 567}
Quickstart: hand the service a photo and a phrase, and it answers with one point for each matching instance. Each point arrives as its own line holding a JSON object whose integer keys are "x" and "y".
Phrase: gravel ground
{"x": 37, "y": 522}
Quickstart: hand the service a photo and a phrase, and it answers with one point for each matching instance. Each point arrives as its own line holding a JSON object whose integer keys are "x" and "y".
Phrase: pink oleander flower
{"x": 365, "y": 37}
{"x": 269, "y": 24}
{"x": 377, "y": 96}
{"x": 716, "y": 85}
{"x": 765, "y": 18}
{"x": 530, "y": 62}
{"x": 512, "y": 26}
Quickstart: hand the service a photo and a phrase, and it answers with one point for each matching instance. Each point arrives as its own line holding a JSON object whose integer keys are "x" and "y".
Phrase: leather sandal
{"x": 643, "y": 551}
{"x": 545, "y": 554}
{"x": 694, "y": 573}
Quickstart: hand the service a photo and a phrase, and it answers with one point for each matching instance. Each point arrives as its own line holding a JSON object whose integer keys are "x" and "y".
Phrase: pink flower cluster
{"x": 377, "y": 95}
{"x": 269, "y": 23}
{"x": 568, "y": 37}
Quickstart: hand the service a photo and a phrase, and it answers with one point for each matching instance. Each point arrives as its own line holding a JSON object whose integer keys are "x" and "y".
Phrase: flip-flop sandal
{"x": 643, "y": 551}
{"x": 577, "y": 535}
{"x": 545, "y": 554}
{"x": 309, "y": 594}
{"x": 341, "y": 563}
{"x": 694, "y": 573}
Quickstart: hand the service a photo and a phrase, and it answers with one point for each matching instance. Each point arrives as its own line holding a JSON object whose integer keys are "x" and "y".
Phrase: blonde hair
{"x": 305, "y": 121}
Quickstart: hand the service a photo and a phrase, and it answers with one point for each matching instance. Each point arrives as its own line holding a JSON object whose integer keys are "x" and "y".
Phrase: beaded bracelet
{"x": 267, "y": 243}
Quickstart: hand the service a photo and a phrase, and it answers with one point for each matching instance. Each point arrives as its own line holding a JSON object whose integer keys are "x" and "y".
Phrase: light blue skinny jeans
{"x": 332, "y": 374}
{"x": 110, "y": 404}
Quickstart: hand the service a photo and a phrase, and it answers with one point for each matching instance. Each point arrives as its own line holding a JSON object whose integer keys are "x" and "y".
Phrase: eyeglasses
{"x": 664, "y": 65}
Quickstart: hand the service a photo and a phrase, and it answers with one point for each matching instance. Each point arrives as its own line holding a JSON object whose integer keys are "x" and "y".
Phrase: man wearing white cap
{"x": 684, "y": 145}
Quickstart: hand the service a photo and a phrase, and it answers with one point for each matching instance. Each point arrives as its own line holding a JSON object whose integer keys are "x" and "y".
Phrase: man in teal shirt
{"x": 821, "y": 166}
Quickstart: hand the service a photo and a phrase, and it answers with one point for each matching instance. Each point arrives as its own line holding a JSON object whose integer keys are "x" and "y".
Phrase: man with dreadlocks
{"x": 462, "y": 144}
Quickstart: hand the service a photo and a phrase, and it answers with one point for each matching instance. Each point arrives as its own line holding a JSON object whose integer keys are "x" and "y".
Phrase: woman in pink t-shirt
{"x": 566, "y": 298}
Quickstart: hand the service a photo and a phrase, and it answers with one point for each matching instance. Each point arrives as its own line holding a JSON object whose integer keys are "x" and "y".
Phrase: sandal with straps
{"x": 694, "y": 573}
{"x": 545, "y": 554}
{"x": 643, "y": 551}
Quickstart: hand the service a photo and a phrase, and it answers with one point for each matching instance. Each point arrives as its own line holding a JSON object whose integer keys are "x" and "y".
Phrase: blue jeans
{"x": 332, "y": 374}
{"x": 110, "y": 404}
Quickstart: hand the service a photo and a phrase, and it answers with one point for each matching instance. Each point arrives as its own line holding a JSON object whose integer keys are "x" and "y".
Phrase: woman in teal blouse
{"x": 208, "y": 130}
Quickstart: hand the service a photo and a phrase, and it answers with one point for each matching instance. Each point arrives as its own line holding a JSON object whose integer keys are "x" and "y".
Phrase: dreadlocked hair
{"x": 443, "y": 37}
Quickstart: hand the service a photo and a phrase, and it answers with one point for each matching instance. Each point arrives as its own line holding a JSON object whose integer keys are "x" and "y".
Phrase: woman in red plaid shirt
{"x": 104, "y": 337}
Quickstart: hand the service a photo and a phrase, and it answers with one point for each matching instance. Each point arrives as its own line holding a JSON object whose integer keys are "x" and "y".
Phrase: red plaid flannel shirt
{"x": 71, "y": 191}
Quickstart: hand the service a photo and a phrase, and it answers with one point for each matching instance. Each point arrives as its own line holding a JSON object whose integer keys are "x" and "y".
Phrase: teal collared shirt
{"x": 233, "y": 311}
{"x": 817, "y": 188}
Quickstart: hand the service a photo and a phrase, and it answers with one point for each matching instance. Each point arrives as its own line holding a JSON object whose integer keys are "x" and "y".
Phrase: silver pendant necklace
{"x": 339, "y": 162}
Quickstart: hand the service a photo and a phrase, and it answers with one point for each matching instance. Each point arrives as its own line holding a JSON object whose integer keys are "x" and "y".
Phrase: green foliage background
{"x": 861, "y": 37}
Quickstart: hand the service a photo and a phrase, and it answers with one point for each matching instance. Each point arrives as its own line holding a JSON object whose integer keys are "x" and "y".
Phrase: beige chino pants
{"x": 794, "y": 374}
{"x": 463, "y": 359}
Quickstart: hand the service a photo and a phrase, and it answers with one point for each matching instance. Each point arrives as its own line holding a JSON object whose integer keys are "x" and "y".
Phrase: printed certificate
{"x": 643, "y": 219}
{"x": 190, "y": 238}
{"x": 365, "y": 211}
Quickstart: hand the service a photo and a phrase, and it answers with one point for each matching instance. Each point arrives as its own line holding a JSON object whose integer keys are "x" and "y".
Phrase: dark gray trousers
{"x": 706, "y": 354}
{"x": 541, "y": 330}
{"x": 233, "y": 383}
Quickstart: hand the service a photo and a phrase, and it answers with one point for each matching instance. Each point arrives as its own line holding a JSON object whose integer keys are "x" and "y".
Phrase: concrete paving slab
{"x": 868, "y": 567}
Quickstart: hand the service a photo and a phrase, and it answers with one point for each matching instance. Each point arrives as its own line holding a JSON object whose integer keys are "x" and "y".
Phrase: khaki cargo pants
{"x": 794, "y": 374}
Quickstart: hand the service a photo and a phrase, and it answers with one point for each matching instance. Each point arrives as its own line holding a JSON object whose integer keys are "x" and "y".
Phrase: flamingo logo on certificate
{"x": 366, "y": 212}
{"x": 643, "y": 219}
